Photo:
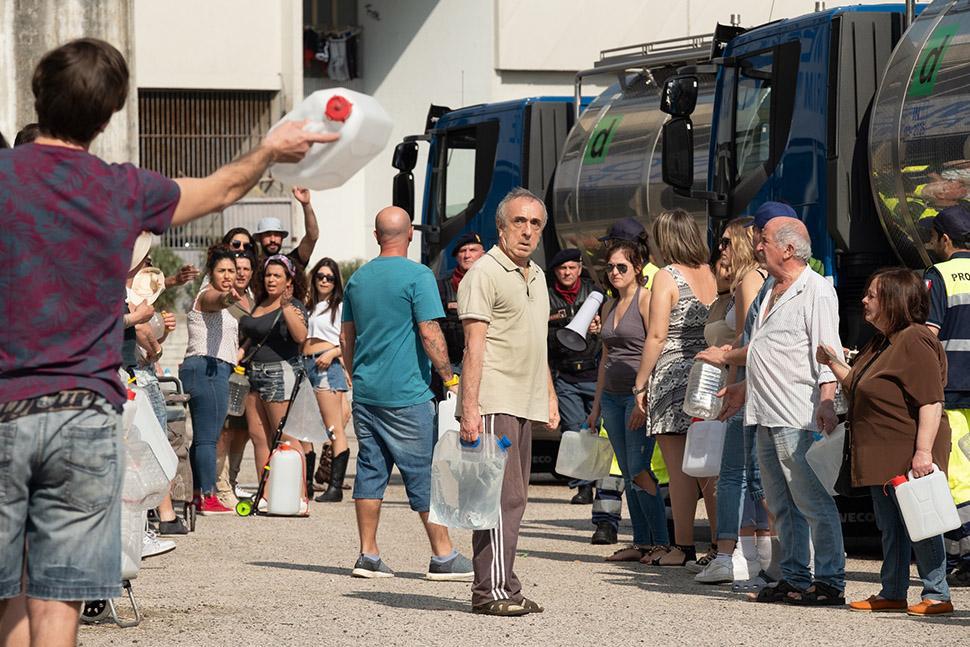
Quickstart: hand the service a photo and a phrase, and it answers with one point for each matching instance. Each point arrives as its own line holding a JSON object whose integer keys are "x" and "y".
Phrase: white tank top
{"x": 212, "y": 334}
{"x": 322, "y": 327}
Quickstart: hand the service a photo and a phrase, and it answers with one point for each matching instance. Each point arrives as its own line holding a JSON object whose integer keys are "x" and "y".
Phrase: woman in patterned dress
{"x": 682, "y": 294}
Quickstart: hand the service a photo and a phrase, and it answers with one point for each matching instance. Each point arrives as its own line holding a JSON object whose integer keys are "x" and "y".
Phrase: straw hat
{"x": 147, "y": 285}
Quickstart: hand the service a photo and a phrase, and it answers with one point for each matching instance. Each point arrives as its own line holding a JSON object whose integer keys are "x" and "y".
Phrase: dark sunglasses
{"x": 619, "y": 267}
{"x": 326, "y": 278}
{"x": 724, "y": 243}
{"x": 238, "y": 244}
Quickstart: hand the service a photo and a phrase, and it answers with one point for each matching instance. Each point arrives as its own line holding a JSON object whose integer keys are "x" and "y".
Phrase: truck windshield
{"x": 752, "y": 128}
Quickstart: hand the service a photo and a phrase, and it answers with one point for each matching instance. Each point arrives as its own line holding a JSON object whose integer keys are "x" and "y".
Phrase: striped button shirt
{"x": 783, "y": 376}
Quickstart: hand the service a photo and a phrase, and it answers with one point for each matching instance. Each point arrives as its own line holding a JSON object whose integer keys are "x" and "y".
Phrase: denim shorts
{"x": 389, "y": 436}
{"x": 274, "y": 381}
{"x": 60, "y": 497}
{"x": 332, "y": 379}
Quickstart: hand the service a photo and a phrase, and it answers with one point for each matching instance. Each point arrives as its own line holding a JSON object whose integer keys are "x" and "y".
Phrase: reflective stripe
{"x": 962, "y": 299}
{"x": 956, "y": 345}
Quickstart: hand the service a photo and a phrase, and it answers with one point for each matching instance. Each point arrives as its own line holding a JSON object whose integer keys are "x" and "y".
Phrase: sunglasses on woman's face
{"x": 326, "y": 278}
{"x": 724, "y": 243}
{"x": 238, "y": 244}
{"x": 619, "y": 267}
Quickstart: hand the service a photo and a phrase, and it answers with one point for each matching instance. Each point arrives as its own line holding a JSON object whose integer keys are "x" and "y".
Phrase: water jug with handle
{"x": 705, "y": 444}
{"x": 926, "y": 504}
{"x": 286, "y": 481}
{"x": 364, "y": 129}
{"x": 703, "y": 383}
{"x": 584, "y": 455}
{"x": 238, "y": 390}
{"x": 466, "y": 481}
{"x": 825, "y": 456}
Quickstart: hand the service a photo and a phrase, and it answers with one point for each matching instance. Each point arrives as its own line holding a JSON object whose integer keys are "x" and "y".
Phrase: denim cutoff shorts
{"x": 274, "y": 381}
{"x": 332, "y": 379}
{"x": 61, "y": 472}
{"x": 389, "y": 436}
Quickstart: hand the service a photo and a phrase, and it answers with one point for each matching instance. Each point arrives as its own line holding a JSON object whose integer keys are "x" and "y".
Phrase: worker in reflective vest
{"x": 949, "y": 286}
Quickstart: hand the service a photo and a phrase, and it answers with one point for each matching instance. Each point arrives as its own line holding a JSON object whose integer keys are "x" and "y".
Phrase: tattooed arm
{"x": 434, "y": 345}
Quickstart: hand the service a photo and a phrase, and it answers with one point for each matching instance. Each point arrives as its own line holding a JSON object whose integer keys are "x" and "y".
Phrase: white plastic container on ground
{"x": 286, "y": 479}
{"x": 364, "y": 129}
{"x": 705, "y": 444}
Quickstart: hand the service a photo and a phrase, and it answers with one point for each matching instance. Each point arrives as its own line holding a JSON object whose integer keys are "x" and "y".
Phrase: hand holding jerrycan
{"x": 364, "y": 129}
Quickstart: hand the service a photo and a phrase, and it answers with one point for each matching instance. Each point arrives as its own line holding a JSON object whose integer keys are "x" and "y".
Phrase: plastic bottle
{"x": 703, "y": 383}
{"x": 364, "y": 129}
{"x": 157, "y": 325}
{"x": 238, "y": 389}
{"x": 926, "y": 504}
{"x": 286, "y": 479}
{"x": 825, "y": 456}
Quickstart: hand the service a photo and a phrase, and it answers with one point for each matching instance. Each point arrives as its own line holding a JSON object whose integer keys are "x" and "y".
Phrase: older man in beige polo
{"x": 503, "y": 304}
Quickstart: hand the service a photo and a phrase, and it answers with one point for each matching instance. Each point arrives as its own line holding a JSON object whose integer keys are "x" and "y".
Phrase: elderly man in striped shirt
{"x": 789, "y": 397}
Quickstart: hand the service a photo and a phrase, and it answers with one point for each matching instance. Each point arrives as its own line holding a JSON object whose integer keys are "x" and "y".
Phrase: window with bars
{"x": 191, "y": 133}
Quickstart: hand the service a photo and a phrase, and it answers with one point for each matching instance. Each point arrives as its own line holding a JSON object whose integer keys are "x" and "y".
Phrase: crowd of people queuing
{"x": 485, "y": 334}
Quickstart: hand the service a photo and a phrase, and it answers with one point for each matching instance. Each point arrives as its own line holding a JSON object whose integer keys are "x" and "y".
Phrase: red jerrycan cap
{"x": 896, "y": 481}
{"x": 131, "y": 394}
{"x": 338, "y": 108}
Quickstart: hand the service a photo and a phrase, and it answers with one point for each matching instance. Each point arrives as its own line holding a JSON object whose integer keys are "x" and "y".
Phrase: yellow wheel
{"x": 244, "y": 508}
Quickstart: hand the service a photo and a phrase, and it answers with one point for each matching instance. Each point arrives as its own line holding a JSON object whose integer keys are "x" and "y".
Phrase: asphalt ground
{"x": 286, "y": 581}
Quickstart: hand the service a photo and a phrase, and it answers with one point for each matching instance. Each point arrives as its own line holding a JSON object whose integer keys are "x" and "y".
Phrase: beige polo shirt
{"x": 515, "y": 371}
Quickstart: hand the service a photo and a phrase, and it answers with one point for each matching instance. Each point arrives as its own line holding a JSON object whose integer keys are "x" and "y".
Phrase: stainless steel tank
{"x": 611, "y": 163}
{"x": 919, "y": 136}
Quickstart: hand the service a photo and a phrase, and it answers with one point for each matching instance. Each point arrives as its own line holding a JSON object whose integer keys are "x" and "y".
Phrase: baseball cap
{"x": 954, "y": 222}
{"x": 466, "y": 239}
{"x": 266, "y": 225}
{"x": 624, "y": 229}
{"x": 770, "y": 210}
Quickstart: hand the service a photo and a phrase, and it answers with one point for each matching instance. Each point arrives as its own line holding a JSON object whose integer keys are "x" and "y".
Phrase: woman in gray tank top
{"x": 624, "y": 328}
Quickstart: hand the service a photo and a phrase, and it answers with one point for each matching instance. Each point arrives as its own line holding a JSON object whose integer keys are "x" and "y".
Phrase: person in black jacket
{"x": 468, "y": 249}
{"x": 574, "y": 374}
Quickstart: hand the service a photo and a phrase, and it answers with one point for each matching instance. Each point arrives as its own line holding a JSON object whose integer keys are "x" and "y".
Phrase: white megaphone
{"x": 573, "y": 336}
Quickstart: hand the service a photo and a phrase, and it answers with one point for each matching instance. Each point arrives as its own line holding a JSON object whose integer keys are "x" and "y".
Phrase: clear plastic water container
{"x": 145, "y": 485}
{"x": 926, "y": 504}
{"x": 364, "y": 129}
{"x": 584, "y": 455}
{"x": 287, "y": 479}
{"x": 703, "y": 383}
{"x": 238, "y": 390}
{"x": 705, "y": 444}
{"x": 466, "y": 481}
{"x": 825, "y": 456}
{"x": 132, "y": 540}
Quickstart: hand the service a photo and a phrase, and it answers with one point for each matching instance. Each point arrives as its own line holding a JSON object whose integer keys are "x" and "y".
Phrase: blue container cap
{"x": 471, "y": 444}
{"x": 504, "y": 442}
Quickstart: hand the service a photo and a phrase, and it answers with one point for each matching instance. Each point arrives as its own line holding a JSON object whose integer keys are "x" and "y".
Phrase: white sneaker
{"x": 719, "y": 571}
{"x": 242, "y": 493}
{"x": 152, "y": 546}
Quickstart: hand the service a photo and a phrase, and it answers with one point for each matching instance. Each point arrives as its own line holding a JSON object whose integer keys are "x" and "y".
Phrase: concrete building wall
{"x": 29, "y": 28}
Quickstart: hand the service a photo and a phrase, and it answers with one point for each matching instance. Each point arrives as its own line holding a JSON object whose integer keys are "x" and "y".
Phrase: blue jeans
{"x": 147, "y": 380}
{"x": 799, "y": 501}
{"x": 206, "y": 379}
{"x": 634, "y": 449}
{"x": 739, "y": 478}
{"x": 575, "y": 404}
{"x": 330, "y": 380}
{"x": 389, "y": 436}
{"x": 897, "y": 550}
{"x": 60, "y": 497}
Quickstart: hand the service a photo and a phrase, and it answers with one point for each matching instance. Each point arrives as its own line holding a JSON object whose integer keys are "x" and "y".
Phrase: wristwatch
{"x": 637, "y": 391}
{"x": 452, "y": 382}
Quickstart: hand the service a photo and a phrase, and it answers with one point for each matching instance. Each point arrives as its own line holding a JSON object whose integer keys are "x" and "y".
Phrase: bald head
{"x": 785, "y": 231}
{"x": 392, "y": 225}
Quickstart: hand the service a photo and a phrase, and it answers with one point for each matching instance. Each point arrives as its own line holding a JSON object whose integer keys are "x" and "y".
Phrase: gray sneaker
{"x": 458, "y": 569}
{"x": 370, "y": 568}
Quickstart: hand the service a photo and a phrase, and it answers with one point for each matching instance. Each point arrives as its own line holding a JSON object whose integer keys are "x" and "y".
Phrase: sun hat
{"x": 143, "y": 245}
{"x": 266, "y": 225}
{"x": 147, "y": 285}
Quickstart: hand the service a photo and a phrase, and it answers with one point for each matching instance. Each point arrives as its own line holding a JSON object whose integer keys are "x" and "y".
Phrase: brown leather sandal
{"x": 629, "y": 554}
{"x": 500, "y": 608}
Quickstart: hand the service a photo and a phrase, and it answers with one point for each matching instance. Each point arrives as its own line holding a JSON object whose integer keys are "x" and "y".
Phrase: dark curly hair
{"x": 633, "y": 253}
{"x": 338, "y": 287}
{"x": 298, "y": 275}
{"x": 239, "y": 230}
{"x": 216, "y": 253}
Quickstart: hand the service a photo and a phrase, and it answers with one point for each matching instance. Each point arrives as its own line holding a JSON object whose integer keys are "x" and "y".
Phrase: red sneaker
{"x": 212, "y": 505}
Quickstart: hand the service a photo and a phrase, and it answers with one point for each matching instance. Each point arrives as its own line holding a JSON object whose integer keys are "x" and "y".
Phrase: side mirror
{"x": 405, "y": 157}
{"x": 678, "y": 154}
{"x": 679, "y": 96}
{"x": 403, "y": 191}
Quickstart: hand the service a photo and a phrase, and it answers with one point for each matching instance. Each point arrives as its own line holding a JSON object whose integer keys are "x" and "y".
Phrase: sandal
{"x": 629, "y": 554}
{"x": 690, "y": 554}
{"x": 819, "y": 594}
{"x": 500, "y": 608}
{"x": 532, "y": 606}
{"x": 775, "y": 593}
{"x": 655, "y": 552}
{"x": 752, "y": 585}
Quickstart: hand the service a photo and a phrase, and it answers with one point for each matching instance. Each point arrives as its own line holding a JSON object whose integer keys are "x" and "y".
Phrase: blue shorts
{"x": 60, "y": 498}
{"x": 274, "y": 381}
{"x": 389, "y": 436}
{"x": 333, "y": 379}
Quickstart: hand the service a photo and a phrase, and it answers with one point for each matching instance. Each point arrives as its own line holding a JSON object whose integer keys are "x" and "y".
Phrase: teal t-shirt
{"x": 386, "y": 299}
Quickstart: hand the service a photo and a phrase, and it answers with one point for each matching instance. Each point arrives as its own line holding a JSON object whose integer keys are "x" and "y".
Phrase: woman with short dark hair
{"x": 895, "y": 393}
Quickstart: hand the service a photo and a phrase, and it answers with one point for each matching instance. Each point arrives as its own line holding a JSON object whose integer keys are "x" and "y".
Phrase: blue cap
{"x": 471, "y": 443}
{"x": 954, "y": 222}
{"x": 504, "y": 442}
{"x": 770, "y": 210}
{"x": 624, "y": 229}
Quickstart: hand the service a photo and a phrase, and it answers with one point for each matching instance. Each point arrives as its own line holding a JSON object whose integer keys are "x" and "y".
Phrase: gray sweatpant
{"x": 494, "y": 550}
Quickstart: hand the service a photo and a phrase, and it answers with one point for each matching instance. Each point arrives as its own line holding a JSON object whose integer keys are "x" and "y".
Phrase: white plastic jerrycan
{"x": 825, "y": 456}
{"x": 926, "y": 505}
{"x": 286, "y": 480}
{"x": 364, "y": 129}
{"x": 584, "y": 455}
{"x": 705, "y": 444}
